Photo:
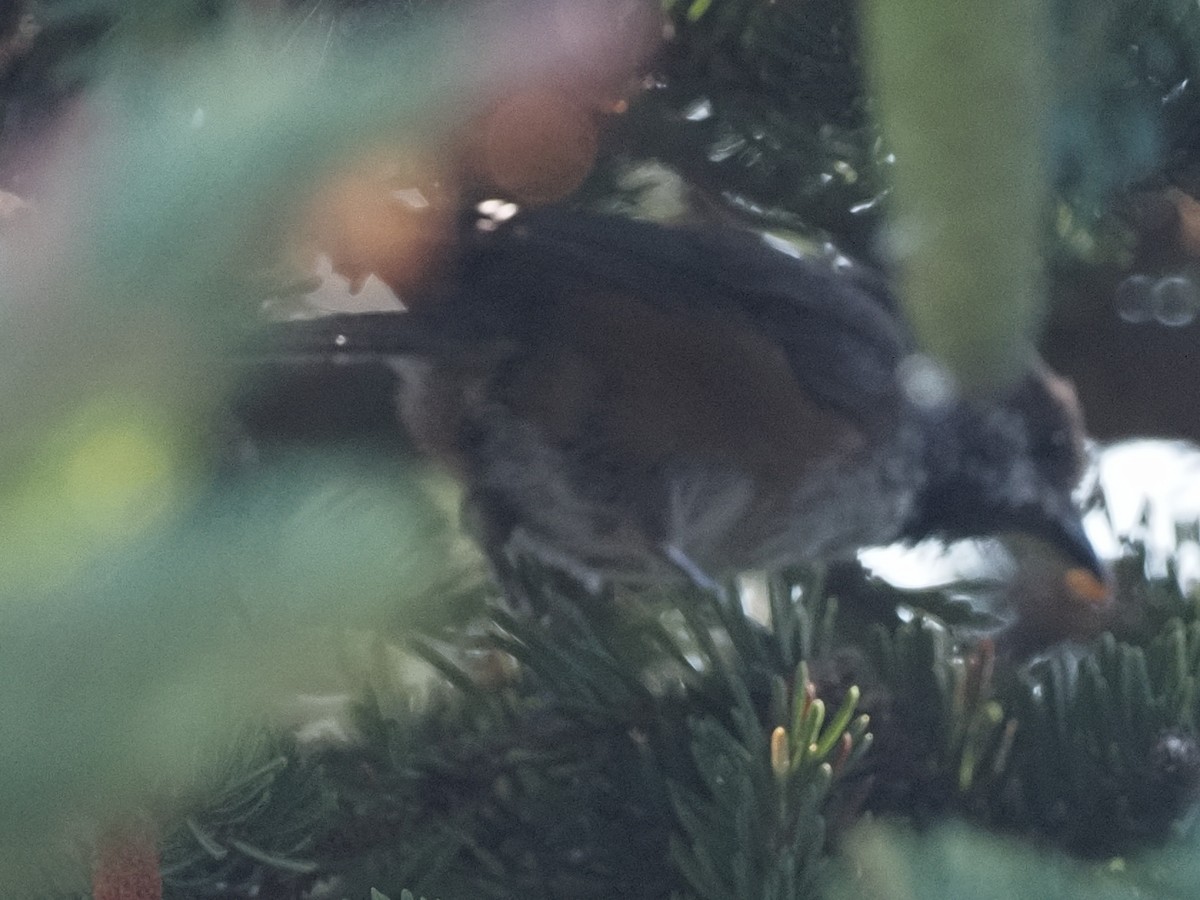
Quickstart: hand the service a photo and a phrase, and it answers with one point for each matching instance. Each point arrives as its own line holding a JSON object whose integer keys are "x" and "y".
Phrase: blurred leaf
{"x": 145, "y": 611}
{"x": 968, "y": 208}
{"x": 890, "y": 862}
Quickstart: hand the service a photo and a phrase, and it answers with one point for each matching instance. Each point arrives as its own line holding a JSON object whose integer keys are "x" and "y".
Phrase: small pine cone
{"x": 126, "y": 867}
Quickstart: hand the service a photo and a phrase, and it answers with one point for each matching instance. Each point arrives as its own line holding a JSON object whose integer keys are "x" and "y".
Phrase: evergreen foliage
{"x": 661, "y": 747}
{"x": 252, "y": 833}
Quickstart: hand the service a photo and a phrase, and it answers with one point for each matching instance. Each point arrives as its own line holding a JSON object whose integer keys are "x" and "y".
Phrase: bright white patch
{"x": 783, "y": 245}
{"x": 1159, "y": 478}
{"x": 925, "y": 383}
{"x": 497, "y": 210}
{"x": 930, "y": 562}
{"x": 411, "y": 197}
{"x": 333, "y": 295}
{"x": 699, "y": 110}
{"x": 1162, "y": 479}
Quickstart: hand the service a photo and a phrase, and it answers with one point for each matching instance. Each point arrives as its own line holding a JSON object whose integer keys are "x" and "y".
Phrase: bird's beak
{"x": 1092, "y": 579}
{"x": 1068, "y": 534}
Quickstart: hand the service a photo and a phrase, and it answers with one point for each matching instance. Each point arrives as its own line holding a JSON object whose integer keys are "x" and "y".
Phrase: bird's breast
{"x": 657, "y": 385}
{"x": 628, "y": 429}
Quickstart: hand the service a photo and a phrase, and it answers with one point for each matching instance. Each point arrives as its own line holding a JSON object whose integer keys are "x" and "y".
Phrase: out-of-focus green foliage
{"x": 147, "y": 604}
{"x": 967, "y": 213}
{"x": 894, "y": 863}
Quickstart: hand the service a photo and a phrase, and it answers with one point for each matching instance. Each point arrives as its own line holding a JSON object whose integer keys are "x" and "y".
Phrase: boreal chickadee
{"x": 630, "y": 401}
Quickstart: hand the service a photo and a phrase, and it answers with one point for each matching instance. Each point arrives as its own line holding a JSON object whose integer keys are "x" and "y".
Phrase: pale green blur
{"x": 962, "y": 90}
{"x": 146, "y": 611}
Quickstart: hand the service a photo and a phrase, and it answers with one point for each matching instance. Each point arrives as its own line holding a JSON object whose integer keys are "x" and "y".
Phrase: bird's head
{"x": 1007, "y": 465}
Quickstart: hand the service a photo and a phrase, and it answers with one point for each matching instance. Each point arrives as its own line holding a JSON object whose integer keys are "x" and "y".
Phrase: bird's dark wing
{"x": 837, "y": 328}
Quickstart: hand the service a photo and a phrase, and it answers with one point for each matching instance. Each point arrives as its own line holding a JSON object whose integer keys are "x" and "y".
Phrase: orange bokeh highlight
{"x": 385, "y": 215}
{"x": 531, "y": 138}
{"x": 538, "y": 145}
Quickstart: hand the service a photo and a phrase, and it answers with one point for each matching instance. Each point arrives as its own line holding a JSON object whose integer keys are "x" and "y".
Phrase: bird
{"x": 635, "y": 402}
